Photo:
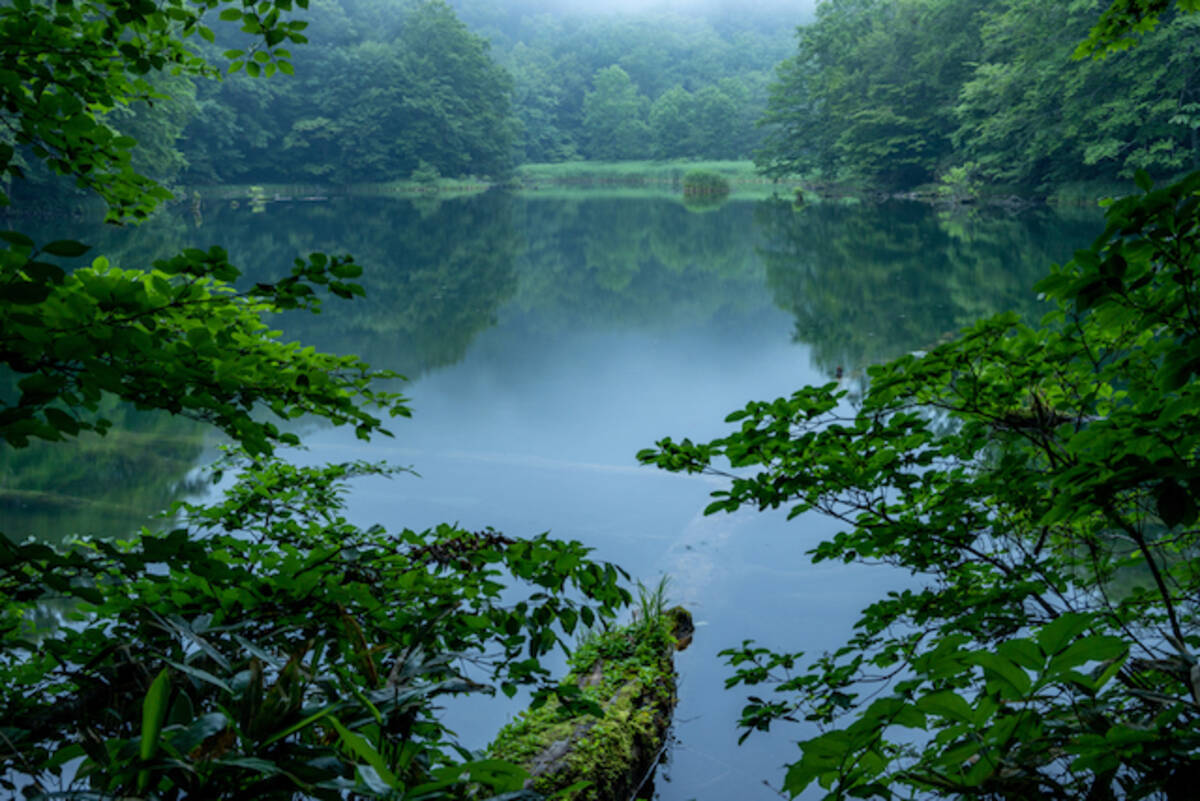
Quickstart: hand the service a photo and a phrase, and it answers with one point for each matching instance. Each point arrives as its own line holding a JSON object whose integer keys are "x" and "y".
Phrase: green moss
{"x": 628, "y": 672}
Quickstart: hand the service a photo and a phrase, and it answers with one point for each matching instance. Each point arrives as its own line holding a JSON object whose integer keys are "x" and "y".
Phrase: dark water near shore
{"x": 546, "y": 341}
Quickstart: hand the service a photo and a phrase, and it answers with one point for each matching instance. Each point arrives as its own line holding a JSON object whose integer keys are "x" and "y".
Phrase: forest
{"x": 1033, "y": 470}
{"x": 887, "y": 93}
{"x": 902, "y": 93}
{"x": 386, "y": 88}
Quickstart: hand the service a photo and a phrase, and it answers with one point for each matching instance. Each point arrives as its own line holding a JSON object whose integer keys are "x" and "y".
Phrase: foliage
{"x": 959, "y": 184}
{"x": 270, "y": 647}
{"x": 614, "y": 117}
{"x": 386, "y": 84}
{"x": 703, "y": 77}
{"x": 1123, "y": 21}
{"x": 372, "y": 101}
{"x": 1042, "y": 482}
{"x": 425, "y": 173}
{"x": 176, "y": 337}
{"x": 702, "y": 182}
{"x": 66, "y": 64}
{"x": 871, "y": 89}
{"x": 1031, "y": 115}
{"x": 640, "y": 173}
{"x": 266, "y": 648}
{"x": 901, "y": 91}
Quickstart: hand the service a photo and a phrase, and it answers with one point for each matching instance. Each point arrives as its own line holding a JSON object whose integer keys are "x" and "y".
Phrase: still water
{"x": 546, "y": 340}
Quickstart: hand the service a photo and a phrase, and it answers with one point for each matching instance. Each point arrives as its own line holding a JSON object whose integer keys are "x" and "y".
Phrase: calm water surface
{"x": 547, "y": 340}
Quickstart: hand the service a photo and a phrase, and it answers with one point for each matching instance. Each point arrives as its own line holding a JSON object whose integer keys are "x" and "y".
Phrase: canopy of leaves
{"x": 267, "y": 648}
{"x": 900, "y": 92}
{"x": 1043, "y": 482}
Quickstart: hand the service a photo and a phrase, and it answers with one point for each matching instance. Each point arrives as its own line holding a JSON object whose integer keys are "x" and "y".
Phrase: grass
{"x": 1088, "y": 193}
{"x": 442, "y": 187}
{"x": 741, "y": 175}
{"x": 615, "y": 179}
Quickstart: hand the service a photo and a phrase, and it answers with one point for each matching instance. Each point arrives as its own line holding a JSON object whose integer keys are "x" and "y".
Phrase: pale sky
{"x": 801, "y": 8}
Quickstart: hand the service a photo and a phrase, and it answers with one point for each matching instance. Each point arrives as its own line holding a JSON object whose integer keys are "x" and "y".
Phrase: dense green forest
{"x": 389, "y": 88}
{"x": 624, "y": 86}
{"x": 902, "y": 92}
{"x": 893, "y": 93}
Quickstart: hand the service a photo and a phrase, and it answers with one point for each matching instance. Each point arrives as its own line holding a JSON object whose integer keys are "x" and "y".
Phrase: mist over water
{"x": 801, "y": 10}
{"x": 547, "y": 340}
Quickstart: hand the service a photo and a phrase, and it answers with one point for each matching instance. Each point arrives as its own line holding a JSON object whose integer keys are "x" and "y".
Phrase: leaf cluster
{"x": 67, "y": 64}
{"x": 270, "y": 648}
{"x": 1042, "y": 484}
{"x": 176, "y": 337}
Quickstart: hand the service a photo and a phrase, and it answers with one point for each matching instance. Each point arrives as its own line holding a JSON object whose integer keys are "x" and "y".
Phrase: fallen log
{"x": 629, "y": 673}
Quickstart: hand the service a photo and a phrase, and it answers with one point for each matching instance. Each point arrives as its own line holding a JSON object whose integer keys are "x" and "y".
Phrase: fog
{"x": 785, "y": 12}
{"x": 799, "y": 8}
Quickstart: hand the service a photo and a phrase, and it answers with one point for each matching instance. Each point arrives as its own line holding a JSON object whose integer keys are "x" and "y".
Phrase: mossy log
{"x": 630, "y": 673}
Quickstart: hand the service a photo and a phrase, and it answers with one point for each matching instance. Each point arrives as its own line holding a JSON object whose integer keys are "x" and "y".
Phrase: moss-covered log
{"x": 629, "y": 672}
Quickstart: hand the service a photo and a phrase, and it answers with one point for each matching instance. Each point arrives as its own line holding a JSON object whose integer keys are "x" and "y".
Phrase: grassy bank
{"x": 665, "y": 174}
{"x": 271, "y": 192}
{"x": 610, "y": 178}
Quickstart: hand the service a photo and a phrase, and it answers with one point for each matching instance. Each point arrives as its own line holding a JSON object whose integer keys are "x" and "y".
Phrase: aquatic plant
{"x": 699, "y": 183}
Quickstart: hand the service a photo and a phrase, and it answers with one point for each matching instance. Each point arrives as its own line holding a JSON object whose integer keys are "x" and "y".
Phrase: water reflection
{"x": 862, "y": 284}
{"x": 548, "y": 339}
{"x": 869, "y": 283}
{"x": 105, "y": 486}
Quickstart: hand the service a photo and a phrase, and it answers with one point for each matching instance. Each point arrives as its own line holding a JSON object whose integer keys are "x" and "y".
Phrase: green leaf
{"x": 1097, "y": 648}
{"x": 1055, "y": 635}
{"x": 154, "y": 711}
{"x": 16, "y": 238}
{"x": 947, "y": 704}
{"x": 570, "y": 791}
{"x": 365, "y": 751}
{"x": 26, "y": 294}
{"x": 1007, "y": 671}
{"x": 1175, "y": 504}
{"x": 1023, "y": 652}
{"x": 306, "y": 722}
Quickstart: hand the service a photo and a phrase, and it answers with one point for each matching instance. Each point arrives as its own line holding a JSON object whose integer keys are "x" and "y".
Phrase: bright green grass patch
{"x": 636, "y": 172}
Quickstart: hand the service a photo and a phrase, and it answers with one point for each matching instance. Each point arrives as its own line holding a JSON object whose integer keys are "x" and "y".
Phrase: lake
{"x": 548, "y": 338}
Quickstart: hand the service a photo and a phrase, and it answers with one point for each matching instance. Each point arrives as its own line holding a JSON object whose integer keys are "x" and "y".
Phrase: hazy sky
{"x": 802, "y": 8}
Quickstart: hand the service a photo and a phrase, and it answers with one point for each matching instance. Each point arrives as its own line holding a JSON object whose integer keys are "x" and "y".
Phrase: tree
{"x": 384, "y": 87}
{"x": 614, "y": 125}
{"x": 1033, "y": 116}
{"x": 264, "y": 647}
{"x": 900, "y": 91}
{"x": 871, "y": 89}
{"x": 671, "y": 123}
{"x": 1043, "y": 482}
